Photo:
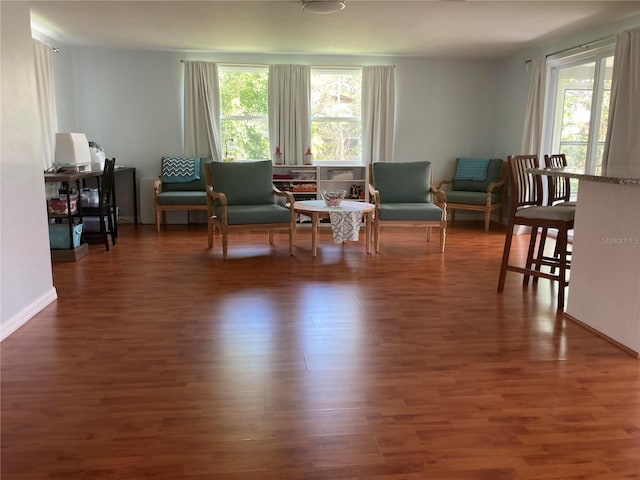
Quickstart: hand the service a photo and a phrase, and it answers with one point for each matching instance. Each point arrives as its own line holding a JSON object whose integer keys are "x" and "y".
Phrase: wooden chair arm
{"x": 212, "y": 196}
{"x": 494, "y": 185}
{"x": 443, "y": 182}
{"x": 157, "y": 186}
{"x": 221, "y": 197}
{"x": 440, "y": 196}
{"x": 374, "y": 194}
{"x": 291, "y": 200}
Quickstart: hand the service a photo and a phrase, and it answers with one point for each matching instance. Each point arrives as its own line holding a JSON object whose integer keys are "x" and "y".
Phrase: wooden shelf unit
{"x": 307, "y": 181}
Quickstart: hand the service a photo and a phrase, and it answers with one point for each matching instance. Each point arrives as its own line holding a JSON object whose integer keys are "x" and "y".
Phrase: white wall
{"x": 130, "y": 102}
{"x": 26, "y": 284}
{"x": 445, "y": 109}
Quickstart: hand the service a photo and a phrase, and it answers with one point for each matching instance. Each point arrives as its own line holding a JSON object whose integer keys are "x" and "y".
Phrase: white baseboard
{"x": 11, "y": 325}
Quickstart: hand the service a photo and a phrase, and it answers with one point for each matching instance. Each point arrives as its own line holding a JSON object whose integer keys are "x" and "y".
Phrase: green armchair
{"x": 240, "y": 195}
{"x": 175, "y": 194}
{"x": 478, "y": 194}
{"x": 403, "y": 195}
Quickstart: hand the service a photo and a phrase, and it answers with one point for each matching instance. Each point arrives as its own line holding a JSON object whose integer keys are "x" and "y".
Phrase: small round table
{"x": 317, "y": 208}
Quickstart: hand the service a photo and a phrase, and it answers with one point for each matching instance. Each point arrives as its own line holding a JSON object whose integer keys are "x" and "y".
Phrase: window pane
{"x": 335, "y": 114}
{"x": 575, "y": 88}
{"x": 243, "y": 103}
{"x": 245, "y": 139}
{"x": 579, "y": 106}
{"x": 576, "y": 116}
{"x": 604, "y": 115}
{"x": 335, "y": 140}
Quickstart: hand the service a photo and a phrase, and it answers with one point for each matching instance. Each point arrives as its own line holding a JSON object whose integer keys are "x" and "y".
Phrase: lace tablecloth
{"x": 345, "y": 224}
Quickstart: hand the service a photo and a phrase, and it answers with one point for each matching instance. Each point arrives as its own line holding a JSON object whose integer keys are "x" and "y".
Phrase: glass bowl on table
{"x": 333, "y": 198}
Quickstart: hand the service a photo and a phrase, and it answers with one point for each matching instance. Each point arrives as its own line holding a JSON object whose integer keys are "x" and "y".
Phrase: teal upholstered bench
{"x": 477, "y": 194}
{"x": 179, "y": 194}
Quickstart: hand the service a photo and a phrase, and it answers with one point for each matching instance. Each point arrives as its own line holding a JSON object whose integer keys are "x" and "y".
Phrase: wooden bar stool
{"x": 527, "y": 209}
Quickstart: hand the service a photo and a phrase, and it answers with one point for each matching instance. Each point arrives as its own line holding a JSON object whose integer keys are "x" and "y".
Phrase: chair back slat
{"x": 526, "y": 187}
{"x": 559, "y": 188}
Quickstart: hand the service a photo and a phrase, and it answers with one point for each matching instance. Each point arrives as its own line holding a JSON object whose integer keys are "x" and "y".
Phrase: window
{"x": 579, "y": 93}
{"x": 244, "y": 122}
{"x": 335, "y": 113}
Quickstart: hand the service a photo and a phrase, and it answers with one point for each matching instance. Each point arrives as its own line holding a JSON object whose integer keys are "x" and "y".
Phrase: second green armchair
{"x": 240, "y": 195}
{"x": 484, "y": 193}
{"x": 403, "y": 196}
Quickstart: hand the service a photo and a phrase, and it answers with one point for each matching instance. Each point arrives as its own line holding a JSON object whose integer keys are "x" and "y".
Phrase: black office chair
{"x": 105, "y": 211}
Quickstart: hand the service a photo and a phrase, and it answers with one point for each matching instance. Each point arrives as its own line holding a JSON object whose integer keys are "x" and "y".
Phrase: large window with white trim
{"x": 578, "y": 105}
{"x": 336, "y": 99}
{"x": 244, "y": 120}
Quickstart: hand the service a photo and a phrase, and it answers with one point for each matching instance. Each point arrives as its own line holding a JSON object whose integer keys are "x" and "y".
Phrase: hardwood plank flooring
{"x": 159, "y": 360}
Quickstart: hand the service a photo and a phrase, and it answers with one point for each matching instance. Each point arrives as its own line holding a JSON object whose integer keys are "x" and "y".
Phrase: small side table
{"x": 317, "y": 208}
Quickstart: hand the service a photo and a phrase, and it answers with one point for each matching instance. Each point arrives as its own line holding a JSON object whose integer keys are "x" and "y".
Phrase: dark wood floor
{"x": 161, "y": 361}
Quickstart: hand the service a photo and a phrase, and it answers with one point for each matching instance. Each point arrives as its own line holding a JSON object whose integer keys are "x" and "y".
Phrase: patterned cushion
{"x": 195, "y": 185}
{"x": 471, "y": 169}
{"x": 180, "y": 169}
{"x": 494, "y": 172}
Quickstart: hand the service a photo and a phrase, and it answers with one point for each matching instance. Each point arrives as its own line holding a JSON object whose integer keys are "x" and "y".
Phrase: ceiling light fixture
{"x": 323, "y": 6}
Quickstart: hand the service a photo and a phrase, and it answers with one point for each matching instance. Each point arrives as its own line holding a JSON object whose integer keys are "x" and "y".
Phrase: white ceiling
{"x": 440, "y": 28}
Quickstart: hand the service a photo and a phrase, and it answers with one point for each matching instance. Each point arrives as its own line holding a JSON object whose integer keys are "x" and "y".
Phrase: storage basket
{"x": 59, "y": 236}
{"x": 58, "y": 206}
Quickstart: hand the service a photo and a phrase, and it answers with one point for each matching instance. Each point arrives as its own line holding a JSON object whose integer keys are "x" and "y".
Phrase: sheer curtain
{"x": 534, "y": 116}
{"x": 289, "y": 111}
{"x": 622, "y": 146}
{"x": 202, "y": 110}
{"x": 46, "y": 100}
{"x": 378, "y": 113}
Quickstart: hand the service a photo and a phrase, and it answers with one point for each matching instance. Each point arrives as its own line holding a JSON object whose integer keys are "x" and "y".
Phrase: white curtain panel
{"x": 622, "y": 146}
{"x": 202, "y": 110}
{"x": 46, "y": 100}
{"x": 289, "y": 111}
{"x": 378, "y": 113}
{"x": 534, "y": 116}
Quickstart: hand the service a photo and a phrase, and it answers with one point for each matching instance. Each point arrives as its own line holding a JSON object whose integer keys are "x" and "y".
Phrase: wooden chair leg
{"x": 530, "y": 253}
{"x": 429, "y": 234}
{"x": 211, "y": 230}
{"x": 158, "y": 220}
{"x": 103, "y": 231}
{"x": 540, "y": 255}
{"x": 376, "y": 235}
{"x": 443, "y": 235}
{"x": 292, "y": 238}
{"x": 225, "y": 241}
{"x": 113, "y": 217}
{"x": 270, "y": 237}
{"x": 505, "y": 257}
{"x": 562, "y": 268}
{"x": 453, "y": 216}
{"x": 487, "y": 219}
{"x": 111, "y": 223}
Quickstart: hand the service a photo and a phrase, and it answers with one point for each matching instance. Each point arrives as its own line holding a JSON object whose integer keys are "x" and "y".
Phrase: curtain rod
{"x": 578, "y": 47}
{"x": 266, "y": 64}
